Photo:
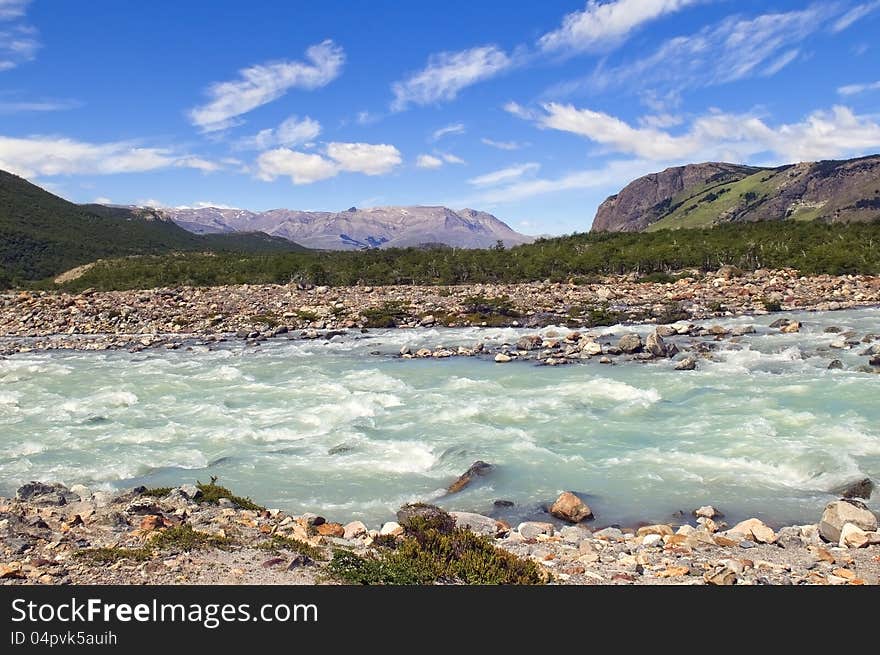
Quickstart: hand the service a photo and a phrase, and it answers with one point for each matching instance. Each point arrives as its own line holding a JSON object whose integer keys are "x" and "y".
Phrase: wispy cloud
{"x": 600, "y": 25}
{"x": 502, "y": 145}
{"x": 734, "y": 49}
{"x": 447, "y": 73}
{"x": 854, "y": 15}
{"x": 505, "y": 175}
{"x": 338, "y": 157}
{"x": 429, "y": 162}
{"x": 855, "y": 89}
{"x": 261, "y": 84}
{"x": 52, "y": 155}
{"x": 292, "y": 132}
{"x": 448, "y": 130}
{"x": 18, "y": 40}
{"x": 731, "y": 137}
{"x": 10, "y": 106}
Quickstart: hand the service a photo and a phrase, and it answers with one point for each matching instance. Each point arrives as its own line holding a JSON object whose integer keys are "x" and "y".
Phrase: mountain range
{"x": 703, "y": 195}
{"x": 354, "y": 228}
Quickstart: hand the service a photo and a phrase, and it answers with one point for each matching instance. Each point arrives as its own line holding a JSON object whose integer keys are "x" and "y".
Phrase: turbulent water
{"x": 345, "y": 429}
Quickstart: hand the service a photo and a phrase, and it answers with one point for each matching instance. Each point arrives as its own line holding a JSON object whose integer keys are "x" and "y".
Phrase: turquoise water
{"x": 329, "y": 427}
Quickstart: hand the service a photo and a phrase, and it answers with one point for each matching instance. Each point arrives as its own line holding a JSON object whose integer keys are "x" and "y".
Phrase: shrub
{"x": 212, "y": 493}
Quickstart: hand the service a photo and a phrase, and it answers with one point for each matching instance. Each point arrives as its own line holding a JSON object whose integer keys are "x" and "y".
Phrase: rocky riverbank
{"x": 51, "y": 534}
{"x": 158, "y": 317}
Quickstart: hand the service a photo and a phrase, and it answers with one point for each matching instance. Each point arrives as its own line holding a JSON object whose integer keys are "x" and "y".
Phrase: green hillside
{"x": 42, "y": 235}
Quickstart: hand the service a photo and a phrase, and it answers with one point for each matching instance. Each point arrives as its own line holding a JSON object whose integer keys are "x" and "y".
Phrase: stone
{"x": 533, "y": 529}
{"x": 840, "y": 512}
{"x": 754, "y": 529}
{"x": 476, "y": 523}
{"x": 652, "y": 539}
{"x": 674, "y": 572}
{"x": 609, "y": 534}
{"x": 574, "y": 534}
{"x": 569, "y": 507}
{"x": 707, "y": 512}
{"x": 592, "y": 348}
{"x": 429, "y": 513}
{"x": 689, "y": 363}
{"x": 791, "y": 328}
{"x": 391, "y": 529}
{"x": 477, "y": 469}
{"x": 835, "y": 365}
{"x": 427, "y": 321}
{"x": 11, "y": 570}
{"x": 852, "y": 536}
{"x": 859, "y": 489}
{"x": 354, "y": 530}
{"x": 330, "y": 530}
{"x": 529, "y": 342}
{"x": 630, "y": 343}
{"x": 659, "y": 529}
{"x": 501, "y": 358}
{"x": 44, "y": 494}
{"x": 81, "y": 490}
{"x": 720, "y": 576}
{"x": 655, "y": 345}
{"x": 190, "y": 492}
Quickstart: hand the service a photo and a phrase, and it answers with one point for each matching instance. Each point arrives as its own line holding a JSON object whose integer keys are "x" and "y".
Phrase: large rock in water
{"x": 569, "y": 507}
{"x": 656, "y": 345}
{"x": 630, "y": 343}
{"x": 840, "y": 512}
{"x": 859, "y": 489}
{"x": 477, "y": 469}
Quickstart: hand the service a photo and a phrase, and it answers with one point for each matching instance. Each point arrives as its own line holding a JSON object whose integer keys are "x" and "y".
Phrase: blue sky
{"x": 535, "y": 112}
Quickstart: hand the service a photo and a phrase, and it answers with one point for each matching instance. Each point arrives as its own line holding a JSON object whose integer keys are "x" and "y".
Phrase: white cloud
{"x": 734, "y": 49}
{"x": 602, "y": 24}
{"x": 102, "y": 200}
{"x": 429, "y": 162}
{"x": 502, "y": 145}
{"x": 821, "y": 135}
{"x": 449, "y": 158}
{"x": 366, "y": 158}
{"x": 292, "y": 132}
{"x": 454, "y": 128}
{"x": 504, "y": 175}
{"x": 367, "y": 118}
{"x": 18, "y": 41}
{"x": 518, "y": 110}
{"x": 150, "y": 202}
{"x": 855, "y": 14}
{"x": 854, "y": 89}
{"x": 301, "y": 167}
{"x": 51, "y": 155}
{"x": 261, "y": 84}
{"x": 447, "y": 73}
{"x": 306, "y": 168}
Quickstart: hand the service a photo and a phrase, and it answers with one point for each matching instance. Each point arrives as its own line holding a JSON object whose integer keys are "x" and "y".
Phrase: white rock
{"x": 354, "y": 530}
{"x": 501, "y": 358}
{"x": 392, "y": 528}
{"x": 652, "y": 540}
{"x": 476, "y": 523}
{"x": 840, "y": 512}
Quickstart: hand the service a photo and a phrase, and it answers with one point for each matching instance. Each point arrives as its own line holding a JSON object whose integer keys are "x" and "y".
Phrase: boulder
{"x": 330, "y": 529}
{"x": 835, "y": 364}
{"x": 533, "y": 529}
{"x": 477, "y": 469}
{"x": 501, "y": 358}
{"x": 529, "y": 342}
{"x": 476, "y": 523}
{"x": 33, "y": 490}
{"x": 391, "y": 529}
{"x": 754, "y": 529}
{"x": 852, "y": 536}
{"x": 707, "y": 512}
{"x": 630, "y": 343}
{"x": 687, "y": 364}
{"x": 859, "y": 489}
{"x": 791, "y": 328}
{"x": 431, "y": 514}
{"x": 840, "y": 512}
{"x": 354, "y": 530}
{"x": 569, "y": 507}
{"x": 655, "y": 345}
{"x": 659, "y": 529}
{"x": 592, "y": 348}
